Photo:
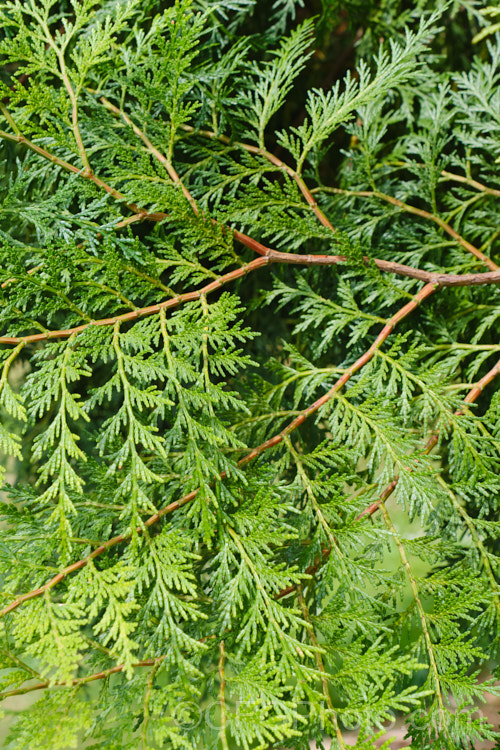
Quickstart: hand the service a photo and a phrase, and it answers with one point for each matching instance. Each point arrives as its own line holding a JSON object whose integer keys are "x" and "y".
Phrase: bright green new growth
{"x": 249, "y": 428}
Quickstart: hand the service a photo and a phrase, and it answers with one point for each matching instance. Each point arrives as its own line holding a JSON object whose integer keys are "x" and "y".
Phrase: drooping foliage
{"x": 249, "y": 315}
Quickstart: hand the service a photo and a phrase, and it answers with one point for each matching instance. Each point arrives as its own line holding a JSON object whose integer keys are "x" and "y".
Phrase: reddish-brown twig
{"x": 273, "y": 160}
{"x": 149, "y": 310}
{"x": 271, "y": 256}
{"x": 416, "y": 212}
{"x": 469, "y": 181}
{"x": 473, "y": 394}
{"x": 451, "y": 176}
{"x": 81, "y": 680}
{"x": 308, "y": 194}
{"x": 86, "y": 173}
{"x": 425, "y": 292}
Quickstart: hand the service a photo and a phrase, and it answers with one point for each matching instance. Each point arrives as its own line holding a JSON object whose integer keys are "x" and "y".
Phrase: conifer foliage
{"x": 249, "y": 316}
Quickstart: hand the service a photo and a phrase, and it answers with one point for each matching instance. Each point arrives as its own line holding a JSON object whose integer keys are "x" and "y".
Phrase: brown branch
{"x": 425, "y": 292}
{"x": 154, "y": 151}
{"x": 149, "y": 310}
{"x": 273, "y": 160}
{"x": 309, "y": 194}
{"x": 453, "y": 177}
{"x": 472, "y": 396}
{"x": 270, "y": 256}
{"x": 88, "y": 678}
{"x": 417, "y": 212}
{"x": 81, "y": 680}
{"x": 469, "y": 181}
{"x": 446, "y": 227}
{"x": 86, "y": 173}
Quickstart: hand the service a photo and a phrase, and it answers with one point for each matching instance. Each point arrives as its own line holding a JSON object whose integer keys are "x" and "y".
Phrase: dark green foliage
{"x": 250, "y": 464}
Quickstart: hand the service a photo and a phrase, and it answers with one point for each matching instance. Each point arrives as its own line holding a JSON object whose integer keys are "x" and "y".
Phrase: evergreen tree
{"x": 249, "y": 353}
